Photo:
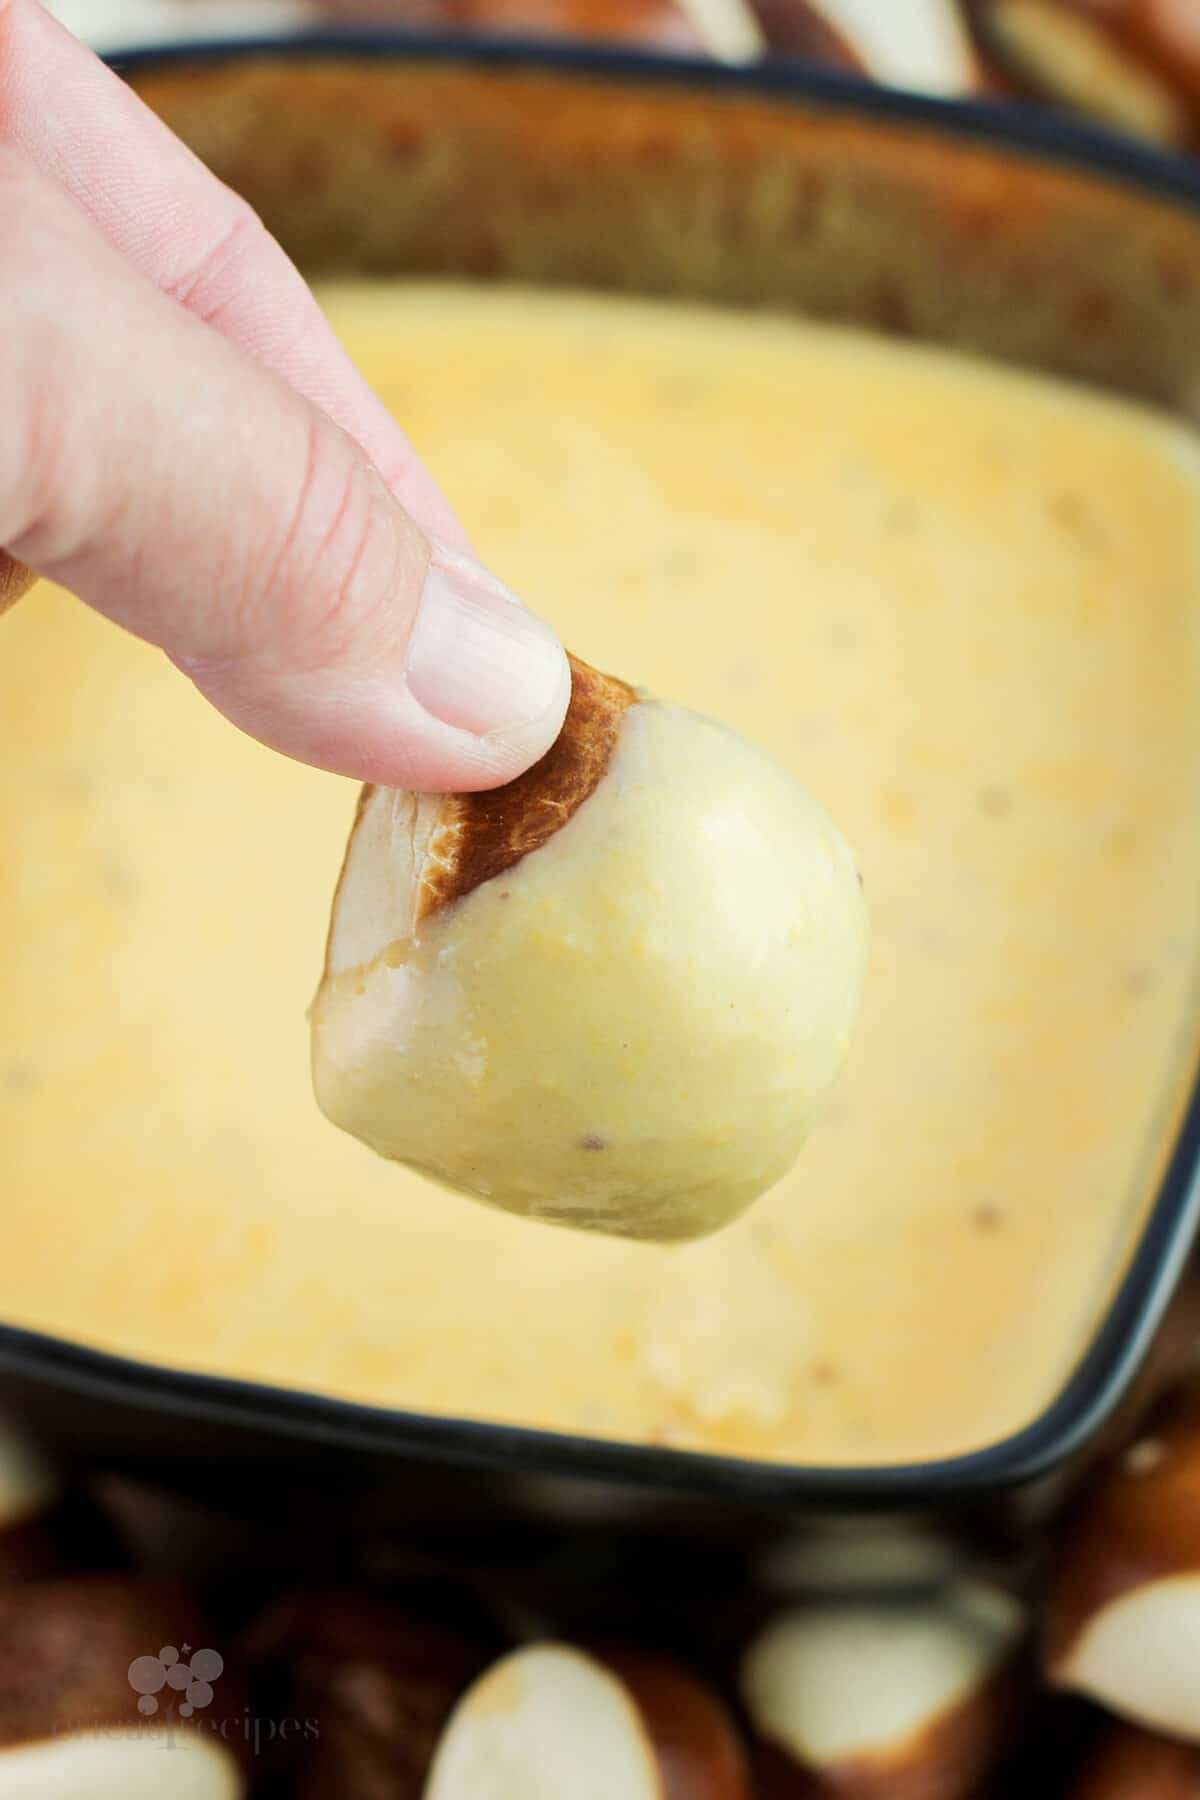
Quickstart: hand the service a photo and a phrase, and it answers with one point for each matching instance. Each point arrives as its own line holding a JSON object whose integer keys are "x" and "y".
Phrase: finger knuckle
{"x": 208, "y": 284}
{"x": 37, "y": 367}
{"x": 338, "y": 562}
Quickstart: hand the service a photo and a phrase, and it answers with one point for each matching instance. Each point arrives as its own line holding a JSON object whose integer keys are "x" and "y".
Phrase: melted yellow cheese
{"x": 959, "y": 602}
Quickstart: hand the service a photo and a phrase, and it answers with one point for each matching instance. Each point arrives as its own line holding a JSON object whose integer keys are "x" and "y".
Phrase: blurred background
{"x": 1131, "y": 64}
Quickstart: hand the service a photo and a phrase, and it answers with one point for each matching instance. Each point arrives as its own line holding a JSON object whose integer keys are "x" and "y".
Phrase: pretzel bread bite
{"x": 612, "y": 994}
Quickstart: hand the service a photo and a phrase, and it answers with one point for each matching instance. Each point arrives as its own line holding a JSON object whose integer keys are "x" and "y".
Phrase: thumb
{"x": 183, "y": 489}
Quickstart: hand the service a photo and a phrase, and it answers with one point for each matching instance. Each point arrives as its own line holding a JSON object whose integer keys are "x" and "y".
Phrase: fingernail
{"x": 477, "y": 658}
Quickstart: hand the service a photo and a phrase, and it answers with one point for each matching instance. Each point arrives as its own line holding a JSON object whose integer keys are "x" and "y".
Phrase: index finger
{"x": 196, "y": 240}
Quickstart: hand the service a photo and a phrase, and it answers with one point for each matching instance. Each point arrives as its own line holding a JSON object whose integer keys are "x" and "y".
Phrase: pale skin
{"x": 185, "y": 445}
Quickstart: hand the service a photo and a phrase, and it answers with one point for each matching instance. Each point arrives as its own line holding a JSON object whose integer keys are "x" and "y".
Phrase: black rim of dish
{"x": 1103, "y": 1376}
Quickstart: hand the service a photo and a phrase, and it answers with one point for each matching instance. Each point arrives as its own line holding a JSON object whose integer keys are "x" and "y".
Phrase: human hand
{"x": 185, "y": 445}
